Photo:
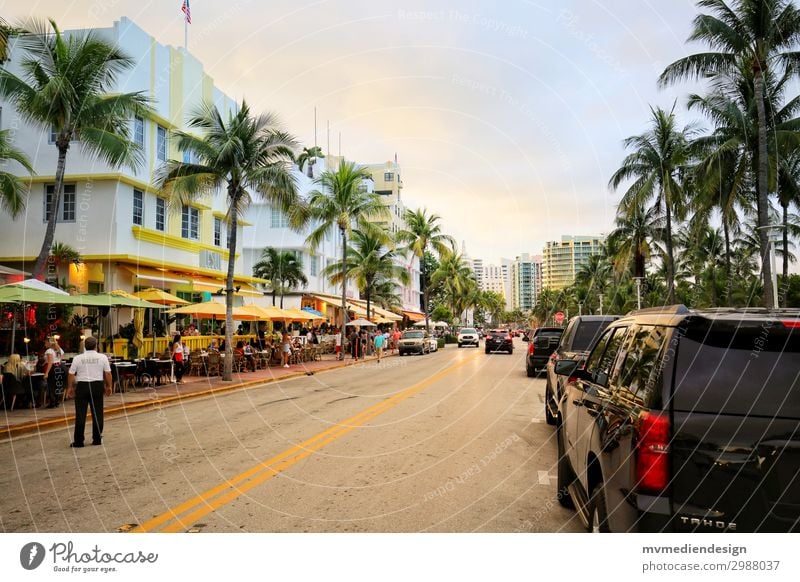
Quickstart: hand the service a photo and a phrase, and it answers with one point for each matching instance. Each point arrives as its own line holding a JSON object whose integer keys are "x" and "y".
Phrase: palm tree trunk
{"x": 281, "y": 294}
{"x": 728, "y": 274}
{"x": 670, "y": 257}
{"x": 273, "y": 295}
{"x": 763, "y": 194}
{"x": 227, "y": 373}
{"x": 344, "y": 290}
{"x": 50, "y": 232}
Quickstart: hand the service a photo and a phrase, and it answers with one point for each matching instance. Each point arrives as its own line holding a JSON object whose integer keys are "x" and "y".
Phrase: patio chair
{"x": 213, "y": 364}
{"x": 195, "y": 365}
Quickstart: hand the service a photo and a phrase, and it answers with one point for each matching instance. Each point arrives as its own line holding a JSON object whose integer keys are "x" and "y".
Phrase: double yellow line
{"x": 187, "y": 513}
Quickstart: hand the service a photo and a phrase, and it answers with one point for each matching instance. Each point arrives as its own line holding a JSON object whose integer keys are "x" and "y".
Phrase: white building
{"x": 526, "y": 277}
{"x": 129, "y": 237}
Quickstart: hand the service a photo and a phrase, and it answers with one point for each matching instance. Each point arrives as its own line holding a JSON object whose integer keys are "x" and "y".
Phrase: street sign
{"x": 559, "y": 316}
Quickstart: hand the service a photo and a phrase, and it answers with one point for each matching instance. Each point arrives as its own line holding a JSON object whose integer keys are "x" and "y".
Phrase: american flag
{"x": 187, "y": 11}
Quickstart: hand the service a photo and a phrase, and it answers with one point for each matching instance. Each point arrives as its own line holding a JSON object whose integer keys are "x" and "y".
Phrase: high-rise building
{"x": 525, "y": 272}
{"x": 127, "y": 233}
{"x": 477, "y": 268}
{"x": 563, "y": 259}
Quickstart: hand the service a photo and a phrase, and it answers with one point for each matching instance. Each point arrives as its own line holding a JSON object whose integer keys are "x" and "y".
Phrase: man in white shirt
{"x": 89, "y": 378}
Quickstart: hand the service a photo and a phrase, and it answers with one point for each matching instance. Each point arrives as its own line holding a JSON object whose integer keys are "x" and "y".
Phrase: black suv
{"x": 578, "y": 338}
{"x": 499, "y": 340}
{"x": 542, "y": 343}
{"x": 685, "y": 421}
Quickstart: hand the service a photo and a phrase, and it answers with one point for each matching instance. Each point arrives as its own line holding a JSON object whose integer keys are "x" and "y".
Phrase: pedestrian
{"x": 177, "y": 358}
{"x": 53, "y": 372}
{"x": 89, "y": 380}
{"x": 286, "y": 348}
{"x": 396, "y": 338}
{"x": 379, "y": 341}
{"x": 337, "y": 344}
{"x": 355, "y": 345}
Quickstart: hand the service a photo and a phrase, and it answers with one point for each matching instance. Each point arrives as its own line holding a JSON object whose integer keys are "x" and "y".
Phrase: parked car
{"x": 499, "y": 340}
{"x": 416, "y": 341}
{"x": 468, "y": 336}
{"x": 578, "y": 338}
{"x": 542, "y": 344}
{"x": 433, "y": 344}
{"x": 685, "y": 421}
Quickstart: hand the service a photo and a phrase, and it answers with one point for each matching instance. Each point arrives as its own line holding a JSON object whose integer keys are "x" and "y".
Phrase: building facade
{"x": 129, "y": 236}
{"x": 561, "y": 260}
{"x": 525, "y": 281}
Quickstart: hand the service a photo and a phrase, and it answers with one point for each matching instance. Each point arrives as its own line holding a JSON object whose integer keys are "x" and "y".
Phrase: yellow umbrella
{"x": 300, "y": 315}
{"x": 267, "y": 313}
{"x": 154, "y": 295}
{"x": 213, "y": 310}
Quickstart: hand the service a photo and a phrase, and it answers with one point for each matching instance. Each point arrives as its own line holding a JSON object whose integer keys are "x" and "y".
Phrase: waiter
{"x": 91, "y": 372}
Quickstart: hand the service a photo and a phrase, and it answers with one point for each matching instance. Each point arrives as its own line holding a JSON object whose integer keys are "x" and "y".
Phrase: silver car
{"x": 414, "y": 342}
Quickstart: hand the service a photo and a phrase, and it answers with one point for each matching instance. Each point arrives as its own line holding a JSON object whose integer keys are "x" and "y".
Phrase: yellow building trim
{"x": 107, "y": 177}
{"x": 176, "y": 242}
{"x": 224, "y": 217}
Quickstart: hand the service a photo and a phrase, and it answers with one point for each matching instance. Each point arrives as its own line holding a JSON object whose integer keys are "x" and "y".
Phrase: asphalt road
{"x": 454, "y": 441}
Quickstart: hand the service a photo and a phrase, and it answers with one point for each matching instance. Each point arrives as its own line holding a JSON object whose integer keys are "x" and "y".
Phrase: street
{"x": 453, "y": 441}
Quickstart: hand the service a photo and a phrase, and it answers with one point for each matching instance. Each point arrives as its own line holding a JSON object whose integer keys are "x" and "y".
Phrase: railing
{"x": 194, "y": 343}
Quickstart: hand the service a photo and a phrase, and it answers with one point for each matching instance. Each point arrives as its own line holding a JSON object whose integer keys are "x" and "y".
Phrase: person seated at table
{"x": 222, "y": 346}
{"x": 17, "y": 368}
{"x": 239, "y": 349}
{"x": 213, "y": 346}
{"x": 250, "y": 356}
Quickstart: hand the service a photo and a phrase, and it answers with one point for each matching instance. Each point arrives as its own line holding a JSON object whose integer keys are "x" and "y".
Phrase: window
{"x": 388, "y": 177}
{"x": 187, "y": 157}
{"x": 138, "y": 131}
{"x": 52, "y": 136}
{"x": 217, "y": 232}
{"x": 161, "y": 143}
{"x": 278, "y": 219}
{"x": 312, "y": 265}
{"x": 161, "y": 214}
{"x": 138, "y": 207}
{"x": 637, "y": 373}
{"x": 66, "y": 212}
{"x": 190, "y": 223}
{"x": 602, "y": 357}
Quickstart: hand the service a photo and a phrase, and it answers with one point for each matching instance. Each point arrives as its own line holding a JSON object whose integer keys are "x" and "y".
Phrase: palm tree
{"x": 633, "y": 239}
{"x": 63, "y": 254}
{"x": 12, "y": 190}
{"x": 384, "y": 293}
{"x": 788, "y": 195}
{"x": 343, "y": 203}
{"x": 424, "y": 234}
{"x": 248, "y": 155}
{"x": 728, "y": 157}
{"x": 283, "y": 269}
{"x": 67, "y": 87}
{"x": 308, "y": 157}
{"x": 655, "y": 165}
{"x": 762, "y": 35}
{"x": 457, "y": 281}
{"x": 369, "y": 261}
{"x": 6, "y": 32}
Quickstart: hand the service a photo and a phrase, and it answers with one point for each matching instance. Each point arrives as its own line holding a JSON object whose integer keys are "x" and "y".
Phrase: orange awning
{"x": 414, "y": 315}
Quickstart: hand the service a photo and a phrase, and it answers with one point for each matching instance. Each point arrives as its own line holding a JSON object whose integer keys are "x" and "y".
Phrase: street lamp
{"x": 638, "y": 292}
{"x": 771, "y": 241}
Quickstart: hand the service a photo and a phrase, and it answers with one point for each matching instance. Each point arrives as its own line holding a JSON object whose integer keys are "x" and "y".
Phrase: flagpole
{"x": 185, "y": 35}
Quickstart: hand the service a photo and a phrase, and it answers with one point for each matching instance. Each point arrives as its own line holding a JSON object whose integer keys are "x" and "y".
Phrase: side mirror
{"x": 571, "y": 368}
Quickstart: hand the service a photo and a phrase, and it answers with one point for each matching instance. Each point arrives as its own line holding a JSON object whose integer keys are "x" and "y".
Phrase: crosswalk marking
{"x": 544, "y": 478}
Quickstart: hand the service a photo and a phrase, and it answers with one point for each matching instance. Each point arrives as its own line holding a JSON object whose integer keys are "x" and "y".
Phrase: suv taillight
{"x": 652, "y": 453}
{"x": 530, "y": 349}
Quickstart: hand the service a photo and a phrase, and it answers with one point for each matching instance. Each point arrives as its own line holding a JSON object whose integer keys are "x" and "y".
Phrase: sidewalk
{"x": 17, "y": 422}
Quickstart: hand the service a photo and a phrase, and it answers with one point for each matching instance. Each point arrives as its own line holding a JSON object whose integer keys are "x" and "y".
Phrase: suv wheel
{"x": 548, "y": 416}
{"x": 459, "y": 345}
{"x": 564, "y": 474}
{"x": 530, "y": 371}
{"x": 598, "y": 515}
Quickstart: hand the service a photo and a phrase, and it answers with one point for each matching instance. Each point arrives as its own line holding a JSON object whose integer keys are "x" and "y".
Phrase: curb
{"x": 30, "y": 427}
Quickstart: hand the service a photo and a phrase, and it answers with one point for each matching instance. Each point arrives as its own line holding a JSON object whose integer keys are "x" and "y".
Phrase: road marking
{"x": 188, "y": 512}
{"x": 536, "y": 420}
{"x": 544, "y": 478}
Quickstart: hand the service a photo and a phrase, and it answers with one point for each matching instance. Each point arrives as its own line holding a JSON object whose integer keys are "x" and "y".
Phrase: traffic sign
{"x": 559, "y": 317}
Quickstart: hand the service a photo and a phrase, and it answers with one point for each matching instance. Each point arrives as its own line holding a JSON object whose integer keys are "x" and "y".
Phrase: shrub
{"x": 450, "y": 339}
{"x": 440, "y": 342}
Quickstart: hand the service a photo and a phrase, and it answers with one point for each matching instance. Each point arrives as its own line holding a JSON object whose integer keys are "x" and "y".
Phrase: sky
{"x": 507, "y": 121}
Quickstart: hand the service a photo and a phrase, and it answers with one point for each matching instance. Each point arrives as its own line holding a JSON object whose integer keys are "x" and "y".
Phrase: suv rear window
{"x": 753, "y": 370}
{"x": 412, "y": 335}
{"x": 587, "y": 334}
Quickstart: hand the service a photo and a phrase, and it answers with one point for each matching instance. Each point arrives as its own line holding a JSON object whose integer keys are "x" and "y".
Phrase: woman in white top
{"x": 177, "y": 358}
{"x": 56, "y": 382}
